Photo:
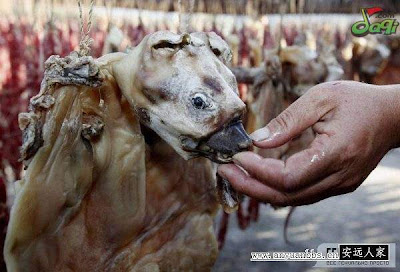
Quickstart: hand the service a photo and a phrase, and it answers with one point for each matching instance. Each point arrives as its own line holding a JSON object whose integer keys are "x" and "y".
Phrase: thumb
{"x": 300, "y": 115}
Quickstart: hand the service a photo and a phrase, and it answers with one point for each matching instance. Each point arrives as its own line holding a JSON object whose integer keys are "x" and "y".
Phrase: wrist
{"x": 391, "y": 113}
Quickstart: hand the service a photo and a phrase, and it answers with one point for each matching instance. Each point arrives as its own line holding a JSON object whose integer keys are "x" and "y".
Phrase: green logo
{"x": 387, "y": 27}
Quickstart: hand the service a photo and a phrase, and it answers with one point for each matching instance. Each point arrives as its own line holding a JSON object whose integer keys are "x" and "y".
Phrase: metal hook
{"x": 186, "y": 39}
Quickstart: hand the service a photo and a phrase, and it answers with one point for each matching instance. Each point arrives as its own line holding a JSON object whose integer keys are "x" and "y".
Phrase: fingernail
{"x": 222, "y": 169}
{"x": 260, "y": 134}
{"x": 244, "y": 157}
{"x": 237, "y": 158}
{"x": 237, "y": 162}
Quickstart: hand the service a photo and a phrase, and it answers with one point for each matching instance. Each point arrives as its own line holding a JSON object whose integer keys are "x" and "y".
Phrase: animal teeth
{"x": 225, "y": 156}
{"x": 205, "y": 148}
{"x": 188, "y": 143}
{"x": 222, "y": 156}
{"x": 244, "y": 145}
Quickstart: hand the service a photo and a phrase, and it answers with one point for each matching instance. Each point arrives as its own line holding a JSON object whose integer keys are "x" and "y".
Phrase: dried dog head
{"x": 180, "y": 88}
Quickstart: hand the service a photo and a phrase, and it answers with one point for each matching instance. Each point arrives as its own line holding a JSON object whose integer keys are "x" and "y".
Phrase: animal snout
{"x": 239, "y": 137}
{"x": 230, "y": 140}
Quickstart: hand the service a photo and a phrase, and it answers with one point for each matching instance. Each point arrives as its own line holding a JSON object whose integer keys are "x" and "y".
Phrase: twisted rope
{"x": 180, "y": 15}
{"x": 86, "y": 41}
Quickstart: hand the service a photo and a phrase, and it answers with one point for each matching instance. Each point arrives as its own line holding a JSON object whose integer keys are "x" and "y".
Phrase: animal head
{"x": 301, "y": 67}
{"x": 181, "y": 88}
{"x": 371, "y": 54}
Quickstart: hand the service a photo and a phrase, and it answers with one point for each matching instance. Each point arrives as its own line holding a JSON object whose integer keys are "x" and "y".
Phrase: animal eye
{"x": 199, "y": 101}
{"x": 216, "y": 52}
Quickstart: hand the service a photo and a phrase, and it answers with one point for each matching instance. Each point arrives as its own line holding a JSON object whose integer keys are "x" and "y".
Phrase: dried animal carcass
{"x": 113, "y": 41}
{"x": 364, "y": 58}
{"x": 285, "y": 75}
{"x": 107, "y": 186}
{"x": 390, "y": 73}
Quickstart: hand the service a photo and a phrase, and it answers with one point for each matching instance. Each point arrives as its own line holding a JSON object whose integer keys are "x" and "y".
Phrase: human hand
{"x": 355, "y": 124}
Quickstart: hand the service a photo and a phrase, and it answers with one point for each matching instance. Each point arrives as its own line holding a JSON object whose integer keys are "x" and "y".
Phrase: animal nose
{"x": 230, "y": 140}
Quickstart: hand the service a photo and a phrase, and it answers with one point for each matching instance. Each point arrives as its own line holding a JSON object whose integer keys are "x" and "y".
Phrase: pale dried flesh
{"x": 95, "y": 197}
{"x": 286, "y": 75}
{"x": 109, "y": 185}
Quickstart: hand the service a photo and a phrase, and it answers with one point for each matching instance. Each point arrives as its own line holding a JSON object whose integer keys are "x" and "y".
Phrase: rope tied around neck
{"x": 86, "y": 41}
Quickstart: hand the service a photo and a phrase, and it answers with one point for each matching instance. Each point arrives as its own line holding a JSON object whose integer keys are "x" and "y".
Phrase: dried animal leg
{"x": 228, "y": 197}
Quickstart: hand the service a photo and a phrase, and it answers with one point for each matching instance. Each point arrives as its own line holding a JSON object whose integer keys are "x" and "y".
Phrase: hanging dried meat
{"x": 107, "y": 185}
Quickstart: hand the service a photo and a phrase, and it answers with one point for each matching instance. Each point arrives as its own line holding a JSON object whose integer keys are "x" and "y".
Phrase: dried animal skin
{"x": 92, "y": 126}
{"x": 99, "y": 193}
{"x": 228, "y": 197}
{"x": 30, "y": 124}
{"x": 73, "y": 70}
{"x": 285, "y": 76}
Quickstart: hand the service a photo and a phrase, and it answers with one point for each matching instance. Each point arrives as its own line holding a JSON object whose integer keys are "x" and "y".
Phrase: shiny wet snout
{"x": 225, "y": 143}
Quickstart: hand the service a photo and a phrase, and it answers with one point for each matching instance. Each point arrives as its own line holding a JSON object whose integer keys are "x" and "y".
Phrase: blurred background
{"x": 310, "y": 40}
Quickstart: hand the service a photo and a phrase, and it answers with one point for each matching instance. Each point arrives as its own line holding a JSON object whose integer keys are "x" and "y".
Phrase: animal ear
{"x": 219, "y": 47}
{"x": 169, "y": 40}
